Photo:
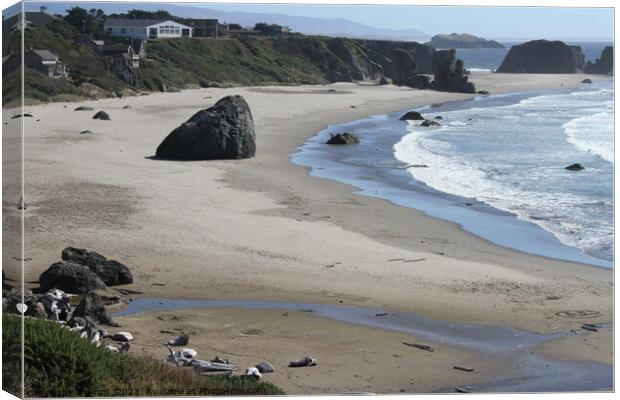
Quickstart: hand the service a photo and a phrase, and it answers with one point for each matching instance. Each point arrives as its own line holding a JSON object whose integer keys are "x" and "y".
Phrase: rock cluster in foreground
{"x": 81, "y": 271}
{"x": 224, "y": 131}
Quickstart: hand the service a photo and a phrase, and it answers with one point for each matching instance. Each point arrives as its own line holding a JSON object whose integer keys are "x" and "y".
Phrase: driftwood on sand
{"x": 419, "y": 346}
{"x": 466, "y": 369}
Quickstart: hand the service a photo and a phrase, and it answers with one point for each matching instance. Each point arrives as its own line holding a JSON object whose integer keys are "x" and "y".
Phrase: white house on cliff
{"x": 146, "y": 28}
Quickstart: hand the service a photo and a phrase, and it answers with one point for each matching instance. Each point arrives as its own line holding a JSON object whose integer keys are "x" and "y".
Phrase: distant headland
{"x": 462, "y": 41}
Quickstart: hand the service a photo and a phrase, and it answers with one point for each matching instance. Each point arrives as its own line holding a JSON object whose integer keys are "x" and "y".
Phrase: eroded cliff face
{"x": 343, "y": 59}
{"x": 603, "y": 65}
{"x": 543, "y": 57}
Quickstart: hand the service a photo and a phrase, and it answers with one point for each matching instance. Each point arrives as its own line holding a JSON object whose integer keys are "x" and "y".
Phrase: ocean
{"x": 496, "y": 166}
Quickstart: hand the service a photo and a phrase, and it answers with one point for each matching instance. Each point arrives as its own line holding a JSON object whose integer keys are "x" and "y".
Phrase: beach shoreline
{"x": 264, "y": 229}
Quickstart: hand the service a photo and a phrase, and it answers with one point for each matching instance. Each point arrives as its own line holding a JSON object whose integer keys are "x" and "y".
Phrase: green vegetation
{"x": 58, "y": 363}
{"x": 90, "y": 77}
{"x": 186, "y": 62}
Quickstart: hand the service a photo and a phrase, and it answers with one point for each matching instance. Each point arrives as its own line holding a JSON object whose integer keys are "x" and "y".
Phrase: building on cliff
{"x": 202, "y": 27}
{"x": 41, "y": 18}
{"x": 43, "y": 61}
{"x": 146, "y": 28}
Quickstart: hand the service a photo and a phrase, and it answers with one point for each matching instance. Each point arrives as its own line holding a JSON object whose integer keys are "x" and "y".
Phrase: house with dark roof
{"x": 41, "y": 18}
{"x": 146, "y": 28}
{"x": 43, "y": 61}
{"x": 202, "y": 27}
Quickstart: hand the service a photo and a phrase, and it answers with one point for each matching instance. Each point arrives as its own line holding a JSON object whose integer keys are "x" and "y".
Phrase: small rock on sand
{"x": 102, "y": 115}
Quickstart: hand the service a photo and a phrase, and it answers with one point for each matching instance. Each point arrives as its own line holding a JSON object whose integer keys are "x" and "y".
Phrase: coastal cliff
{"x": 543, "y": 57}
{"x": 462, "y": 41}
{"x": 175, "y": 64}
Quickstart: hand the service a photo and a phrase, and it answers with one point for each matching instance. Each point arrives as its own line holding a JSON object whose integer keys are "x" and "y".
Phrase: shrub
{"x": 58, "y": 363}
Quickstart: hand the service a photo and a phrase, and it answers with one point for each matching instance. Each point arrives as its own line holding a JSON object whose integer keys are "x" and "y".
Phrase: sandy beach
{"x": 263, "y": 229}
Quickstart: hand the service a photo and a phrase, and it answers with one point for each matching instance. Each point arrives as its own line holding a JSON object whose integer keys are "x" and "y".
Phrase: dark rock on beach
{"x": 85, "y": 132}
{"x": 224, "y": 131}
{"x": 484, "y": 92}
{"x": 603, "y": 65}
{"x": 575, "y": 167}
{"x": 70, "y": 277}
{"x": 343, "y": 138}
{"x": 543, "y": 57}
{"x": 83, "y": 108}
{"x": 450, "y": 73}
{"x": 111, "y": 272}
{"x": 430, "y": 122}
{"x": 102, "y": 115}
{"x": 586, "y": 80}
{"x": 412, "y": 116}
{"x": 93, "y": 307}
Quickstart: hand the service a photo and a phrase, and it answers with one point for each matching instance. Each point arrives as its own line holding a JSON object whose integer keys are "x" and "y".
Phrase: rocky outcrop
{"x": 70, "y": 277}
{"x": 412, "y": 116}
{"x": 224, "y": 131}
{"x": 603, "y": 65}
{"x": 575, "y": 167}
{"x": 111, "y": 272}
{"x": 450, "y": 74}
{"x": 462, "y": 41}
{"x": 430, "y": 122}
{"x": 403, "y": 68}
{"x": 121, "y": 66}
{"x": 543, "y": 57}
{"x": 343, "y": 138}
{"x": 93, "y": 307}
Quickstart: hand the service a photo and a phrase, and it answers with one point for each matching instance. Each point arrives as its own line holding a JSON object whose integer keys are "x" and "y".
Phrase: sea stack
{"x": 450, "y": 73}
{"x": 603, "y": 65}
{"x": 224, "y": 131}
{"x": 543, "y": 57}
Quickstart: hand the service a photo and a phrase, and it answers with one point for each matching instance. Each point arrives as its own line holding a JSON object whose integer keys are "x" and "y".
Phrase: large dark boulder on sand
{"x": 450, "y": 74}
{"x": 111, "y": 272}
{"x": 343, "y": 138}
{"x": 70, "y": 277}
{"x": 93, "y": 307}
{"x": 603, "y": 65}
{"x": 224, "y": 131}
{"x": 543, "y": 57}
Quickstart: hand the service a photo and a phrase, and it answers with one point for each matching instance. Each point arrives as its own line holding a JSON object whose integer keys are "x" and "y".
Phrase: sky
{"x": 489, "y": 22}
{"x": 494, "y": 22}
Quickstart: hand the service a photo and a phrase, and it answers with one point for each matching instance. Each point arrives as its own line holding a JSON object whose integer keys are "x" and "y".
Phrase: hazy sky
{"x": 497, "y": 22}
{"x": 489, "y": 22}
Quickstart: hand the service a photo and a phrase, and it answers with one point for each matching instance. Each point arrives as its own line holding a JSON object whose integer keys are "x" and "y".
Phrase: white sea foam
{"x": 593, "y": 133}
{"x": 513, "y": 158}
